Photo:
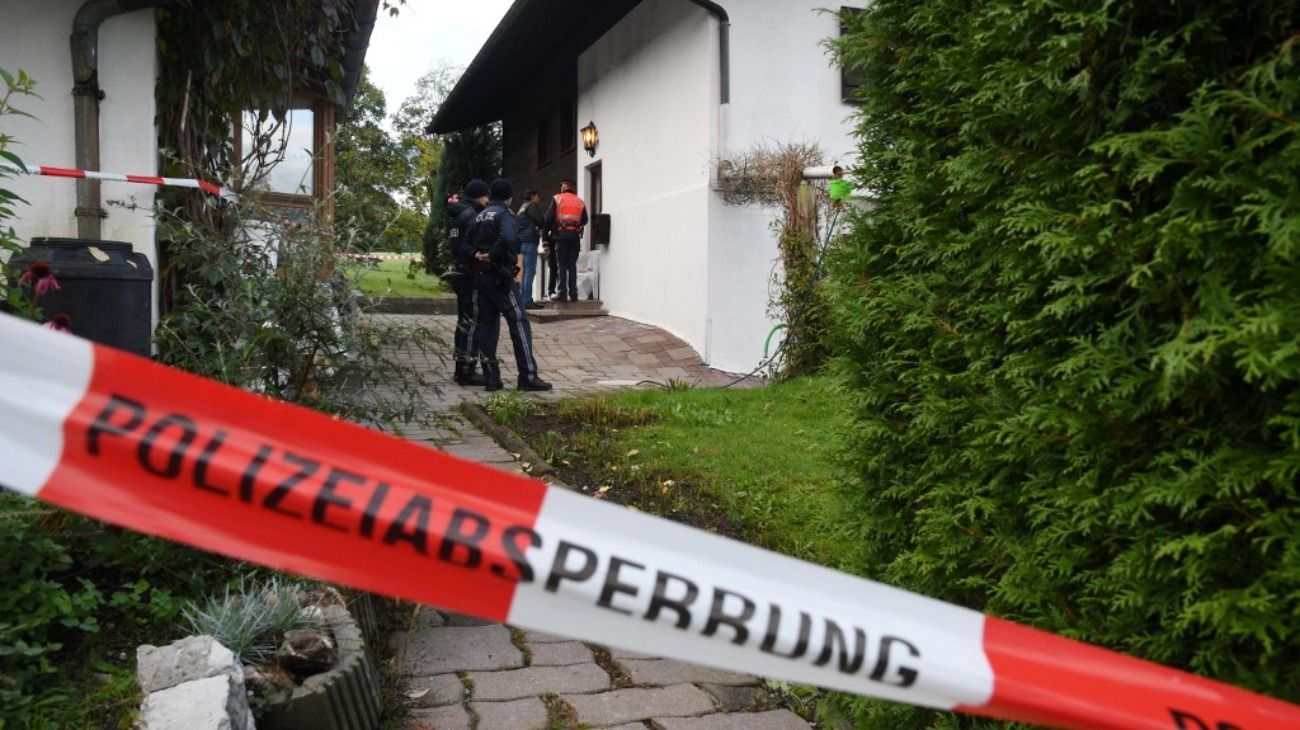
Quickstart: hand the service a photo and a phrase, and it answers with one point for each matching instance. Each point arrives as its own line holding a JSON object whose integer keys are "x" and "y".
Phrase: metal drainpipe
{"x": 724, "y": 45}
{"x": 86, "y": 96}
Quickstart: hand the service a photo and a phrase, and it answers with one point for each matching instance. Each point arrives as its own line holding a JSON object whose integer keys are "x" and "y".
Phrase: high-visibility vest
{"x": 568, "y": 212}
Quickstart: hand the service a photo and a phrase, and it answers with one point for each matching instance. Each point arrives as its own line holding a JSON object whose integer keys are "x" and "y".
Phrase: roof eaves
{"x": 481, "y": 60}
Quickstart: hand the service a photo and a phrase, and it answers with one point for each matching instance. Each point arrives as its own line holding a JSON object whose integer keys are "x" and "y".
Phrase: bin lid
{"x": 81, "y": 258}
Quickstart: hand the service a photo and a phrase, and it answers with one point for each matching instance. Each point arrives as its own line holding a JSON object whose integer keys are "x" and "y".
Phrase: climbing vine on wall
{"x": 219, "y": 58}
{"x": 773, "y": 176}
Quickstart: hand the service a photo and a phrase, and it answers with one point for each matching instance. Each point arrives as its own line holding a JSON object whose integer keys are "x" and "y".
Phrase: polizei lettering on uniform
{"x": 178, "y": 448}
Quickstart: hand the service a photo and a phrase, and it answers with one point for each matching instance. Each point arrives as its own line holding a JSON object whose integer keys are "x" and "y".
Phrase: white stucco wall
{"x": 645, "y": 87}
{"x": 784, "y": 88}
{"x": 680, "y": 258}
{"x": 36, "y": 40}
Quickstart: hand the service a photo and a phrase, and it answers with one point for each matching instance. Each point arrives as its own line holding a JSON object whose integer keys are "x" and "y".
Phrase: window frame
{"x": 323, "y": 160}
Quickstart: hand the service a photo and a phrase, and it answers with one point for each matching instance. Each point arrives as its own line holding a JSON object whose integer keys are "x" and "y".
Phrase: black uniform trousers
{"x": 566, "y": 250}
{"x": 552, "y": 268}
{"x": 463, "y": 344}
{"x": 499, "y": 297}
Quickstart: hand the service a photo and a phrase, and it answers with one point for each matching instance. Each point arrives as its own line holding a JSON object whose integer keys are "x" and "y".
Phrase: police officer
{"x": 496, "y": 256}
{"x": 564, "y": 223}
{"x": 463, "y": 213}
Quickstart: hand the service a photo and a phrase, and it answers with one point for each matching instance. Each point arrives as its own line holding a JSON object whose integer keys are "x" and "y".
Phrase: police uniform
{"x": 461, "y": 239}
{"x": 497, "y": 295}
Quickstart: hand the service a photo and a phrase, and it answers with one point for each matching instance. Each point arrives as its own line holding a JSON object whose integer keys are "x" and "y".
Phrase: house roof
{"x": 355, "y": 44}
{"x": 531, "y": 33}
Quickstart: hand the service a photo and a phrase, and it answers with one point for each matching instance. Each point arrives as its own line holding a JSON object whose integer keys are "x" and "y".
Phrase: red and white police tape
{"x": 219, "y": 191}
{"x": 119, "y": 438}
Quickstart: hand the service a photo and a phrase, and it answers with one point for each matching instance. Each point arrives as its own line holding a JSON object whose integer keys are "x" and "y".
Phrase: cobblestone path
{"x": 467, "y": 674}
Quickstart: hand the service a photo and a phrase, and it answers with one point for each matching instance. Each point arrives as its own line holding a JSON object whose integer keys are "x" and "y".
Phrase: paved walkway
{"x": 466, "y": 674}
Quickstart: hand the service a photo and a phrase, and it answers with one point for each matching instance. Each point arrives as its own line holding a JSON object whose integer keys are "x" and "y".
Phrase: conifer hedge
{"x": 1072, "y": 323}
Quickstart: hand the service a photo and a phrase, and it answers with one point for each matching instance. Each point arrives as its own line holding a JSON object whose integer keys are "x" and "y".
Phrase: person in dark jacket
{"x": 565, "y": 221}
{"x": 496, "y": 255}
{"x": 530, "y": 220}
{"x": 460, "y": 234}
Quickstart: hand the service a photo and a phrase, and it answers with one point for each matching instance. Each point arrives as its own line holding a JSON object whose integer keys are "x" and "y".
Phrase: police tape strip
{"x": 219, "y": 191}
{"x": 119, "y": 438}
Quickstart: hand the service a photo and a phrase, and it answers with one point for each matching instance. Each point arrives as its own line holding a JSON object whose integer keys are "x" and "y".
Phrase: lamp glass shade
{"x": 590, "y": 138}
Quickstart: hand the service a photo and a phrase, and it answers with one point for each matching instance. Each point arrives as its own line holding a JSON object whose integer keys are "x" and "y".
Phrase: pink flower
{"x": 41, "y": 276}
{"x": 47, "y": 285}
{"x": 59, "y": 323}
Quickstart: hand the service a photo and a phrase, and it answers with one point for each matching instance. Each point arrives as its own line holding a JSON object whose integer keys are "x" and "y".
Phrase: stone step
{"x": 556, "y": 311}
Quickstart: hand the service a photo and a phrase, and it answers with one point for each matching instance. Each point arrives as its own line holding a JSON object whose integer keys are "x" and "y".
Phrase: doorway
{"x": 595, "y": 196}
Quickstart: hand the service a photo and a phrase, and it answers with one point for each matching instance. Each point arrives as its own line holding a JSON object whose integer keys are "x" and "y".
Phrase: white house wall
{"x": 36, "y": 40}
{"x": 784, "y": 89}
{"x": 680, "y": 258}
{"x": 647, "y": 87}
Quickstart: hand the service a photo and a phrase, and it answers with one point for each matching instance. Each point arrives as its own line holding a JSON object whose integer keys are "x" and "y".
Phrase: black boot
{"x": 492, "y": 376}
{"x": 465, "y": 374}
{"x": 534, "y": 384}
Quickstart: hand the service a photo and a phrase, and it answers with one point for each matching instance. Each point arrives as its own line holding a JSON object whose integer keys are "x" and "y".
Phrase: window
{"x": 568, "y": 127}
{"x": 543, "y": 142}
{"x": 286, "y": 151}
{"x": 288, "y": 161}
{"x": 850, "y": 79}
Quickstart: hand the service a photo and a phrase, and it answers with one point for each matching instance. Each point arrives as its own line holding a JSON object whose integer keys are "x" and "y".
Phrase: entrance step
{"x": 556, "y": 311}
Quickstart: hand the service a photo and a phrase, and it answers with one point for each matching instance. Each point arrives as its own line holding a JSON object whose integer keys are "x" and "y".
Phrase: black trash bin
{"x": 106, "y": 289}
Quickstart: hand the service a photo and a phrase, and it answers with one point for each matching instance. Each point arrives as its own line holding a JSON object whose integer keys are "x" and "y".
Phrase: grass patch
{"x": 395, "y": 278}
{"x": 765, "y": 455}
{"x": 755, "y": 464}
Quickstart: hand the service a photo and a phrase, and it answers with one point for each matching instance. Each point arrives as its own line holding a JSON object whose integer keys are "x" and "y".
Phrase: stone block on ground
{"x": 200, "y": 704}
{"x": 774, "y": 720}
{"x": 451, "y": 717}
{"x": 625, "y": 654}
{"x": 749, "y": 698}
{"x": 561, "y": 654}
{"x": 448, "y": 649}
{"x": 435, "y": 691}
{"x": 458, "y": 619}
{"x": 535, "y": 681}
{"x": 537, "y": 637}
{"x": 194, "y": 657}
{"x": 665, "y": 672}
{"x": 526, "y": 714}
{"x": 630, "y": 705}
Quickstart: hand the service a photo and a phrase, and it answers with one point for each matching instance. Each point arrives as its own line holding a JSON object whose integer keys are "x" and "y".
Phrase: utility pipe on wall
{"x": 724, "y": 45}
{"x": 86, "y": 95}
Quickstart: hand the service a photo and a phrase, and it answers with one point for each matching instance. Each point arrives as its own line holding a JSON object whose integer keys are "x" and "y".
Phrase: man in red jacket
{"x": 564, "y": 224}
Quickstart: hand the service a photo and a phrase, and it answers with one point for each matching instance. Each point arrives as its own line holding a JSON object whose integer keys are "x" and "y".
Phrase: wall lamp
{"x": 590, "y": 138}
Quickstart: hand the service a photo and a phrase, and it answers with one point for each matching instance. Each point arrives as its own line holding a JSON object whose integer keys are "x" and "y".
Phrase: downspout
{"x": 724, "y": 45}
{"x": 86, "y": 95}
{"x": 724, "y": 87}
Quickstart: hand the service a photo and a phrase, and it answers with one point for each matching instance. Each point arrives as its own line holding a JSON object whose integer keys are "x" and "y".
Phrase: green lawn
{"x": 392, "y": 278}
{"x": 757, "y": 464}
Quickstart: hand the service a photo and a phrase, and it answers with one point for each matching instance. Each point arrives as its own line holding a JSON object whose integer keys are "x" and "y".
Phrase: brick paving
{"x": 466, "y": 674}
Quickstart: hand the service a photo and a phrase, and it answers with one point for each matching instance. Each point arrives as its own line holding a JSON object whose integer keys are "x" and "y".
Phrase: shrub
{"x": 266, "y": 307}
{"x": 1072, "y": 323}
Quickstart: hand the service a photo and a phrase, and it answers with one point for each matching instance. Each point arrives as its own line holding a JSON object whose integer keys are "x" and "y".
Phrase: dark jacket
{"x": 530, "y": 221}
{"x": 495, "y": 233}
{"x": 460, "y": 233}
{"x": 553, "y": 235}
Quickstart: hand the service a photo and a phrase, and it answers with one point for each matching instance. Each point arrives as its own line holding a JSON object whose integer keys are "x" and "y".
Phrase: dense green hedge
{"x": 1072, "y": 322}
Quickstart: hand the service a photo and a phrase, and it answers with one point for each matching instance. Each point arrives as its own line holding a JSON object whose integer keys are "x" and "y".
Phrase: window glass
{"x": 280, "y": 157}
